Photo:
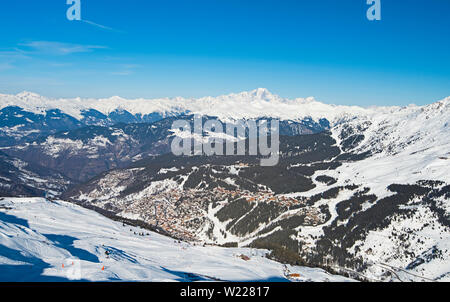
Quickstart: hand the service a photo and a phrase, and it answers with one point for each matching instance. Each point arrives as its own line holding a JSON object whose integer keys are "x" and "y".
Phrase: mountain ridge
{"x": 225, "y": 106}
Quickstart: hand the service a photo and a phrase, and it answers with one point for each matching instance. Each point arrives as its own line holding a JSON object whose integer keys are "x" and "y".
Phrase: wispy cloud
{"x": 6, "y": 66}
{"x": 13, "y": 54}
{"x": 101, "y": 26}
{"x": 125, "y": 70}
{"x": 59, "y": 48}
{"x": 122, "y": 73}
{"x": 9, "y": 58}
{"x": 54, "y": 64}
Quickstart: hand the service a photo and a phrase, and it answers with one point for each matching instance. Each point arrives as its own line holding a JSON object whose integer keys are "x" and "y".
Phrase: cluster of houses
{"x": 183, "y": 213}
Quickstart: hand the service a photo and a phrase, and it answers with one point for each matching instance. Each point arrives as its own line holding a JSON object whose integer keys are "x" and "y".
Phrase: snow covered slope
{"x": 402, "y": 145}
{"x": 58, "y": 241}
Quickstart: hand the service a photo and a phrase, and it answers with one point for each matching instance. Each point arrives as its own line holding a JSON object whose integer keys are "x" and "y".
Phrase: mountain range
{"x": 360, "y": 191}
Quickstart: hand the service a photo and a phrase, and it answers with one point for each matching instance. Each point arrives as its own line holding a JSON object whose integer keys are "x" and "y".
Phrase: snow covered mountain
{"x": 378, "y": 172}
{"x": 252, "y": 104}
{"x": 26, "y": 116}
{"x": 42, "y": 240}
{"x": 245, "y": 105}
{"x": 83, "y": 153}
{"x": 357, "y": 190}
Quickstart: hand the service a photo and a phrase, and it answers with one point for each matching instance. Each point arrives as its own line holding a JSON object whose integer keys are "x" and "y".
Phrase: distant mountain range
{"x": 359, "y": 190}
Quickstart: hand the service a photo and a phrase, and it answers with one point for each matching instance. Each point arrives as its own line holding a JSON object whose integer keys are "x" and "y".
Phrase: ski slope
{"x": 43, "y": 240}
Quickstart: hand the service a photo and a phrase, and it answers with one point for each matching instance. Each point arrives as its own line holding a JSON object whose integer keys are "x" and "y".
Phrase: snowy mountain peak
{"x": 29, "y": 95}
{"x": 248, "y": 104}
{"x": 256, "y": 95}
{"x": 437, "y": 107}
{"x": 446, "y": 101}
{"x": 263, "y": 93}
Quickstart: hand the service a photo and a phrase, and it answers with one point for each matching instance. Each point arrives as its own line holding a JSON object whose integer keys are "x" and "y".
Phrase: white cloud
{"x": 59, "y": 48}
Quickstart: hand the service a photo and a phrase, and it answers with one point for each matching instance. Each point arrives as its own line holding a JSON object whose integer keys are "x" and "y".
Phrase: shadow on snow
{"x": 190, "y": 277}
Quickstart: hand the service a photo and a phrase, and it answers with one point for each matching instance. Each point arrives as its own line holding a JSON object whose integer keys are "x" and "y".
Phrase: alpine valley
{"x": 360, "y": 192}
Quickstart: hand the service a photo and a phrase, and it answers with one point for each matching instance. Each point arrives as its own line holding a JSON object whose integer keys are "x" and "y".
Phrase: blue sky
{"x": 193, "y": 48}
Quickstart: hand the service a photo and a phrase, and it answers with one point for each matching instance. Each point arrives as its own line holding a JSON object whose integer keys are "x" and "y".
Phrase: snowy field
{"x": 45, "y": 241}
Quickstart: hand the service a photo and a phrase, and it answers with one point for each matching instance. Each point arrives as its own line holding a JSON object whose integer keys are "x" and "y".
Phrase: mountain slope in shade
{"x": 42, "y": 241}
{"x": 22, "y": 178}
{"x": 86, "y": 152}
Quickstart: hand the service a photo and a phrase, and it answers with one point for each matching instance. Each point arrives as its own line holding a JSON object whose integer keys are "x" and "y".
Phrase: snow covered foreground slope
{"x": 45, "y": 241}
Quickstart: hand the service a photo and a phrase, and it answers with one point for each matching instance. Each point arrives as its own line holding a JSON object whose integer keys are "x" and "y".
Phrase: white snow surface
{"x": 42, "y": 240}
